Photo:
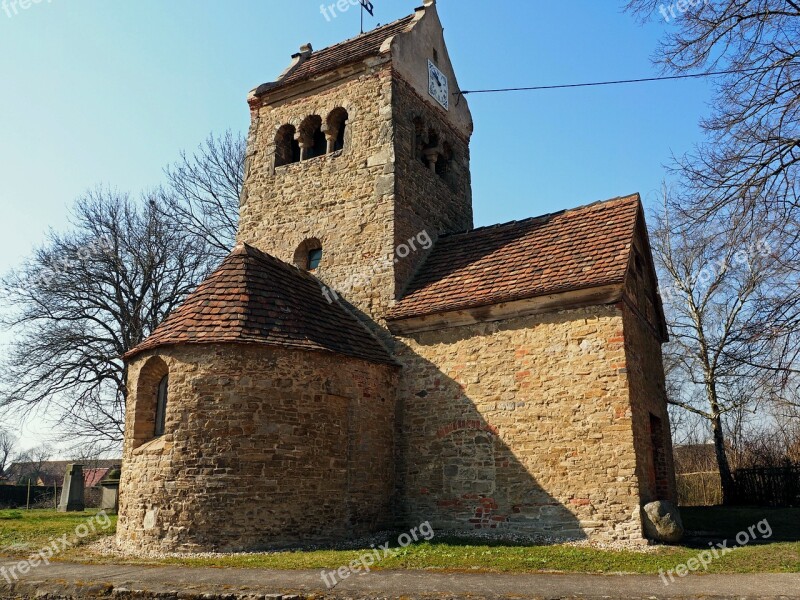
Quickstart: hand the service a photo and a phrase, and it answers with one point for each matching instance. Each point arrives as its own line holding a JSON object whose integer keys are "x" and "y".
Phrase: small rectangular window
{"x": 314, "y": 258}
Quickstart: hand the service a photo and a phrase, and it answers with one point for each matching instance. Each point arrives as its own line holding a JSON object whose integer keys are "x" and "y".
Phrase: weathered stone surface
{"x": 264, "y": 447}
{"x": 662, "y": 522}
{"x": 72, "y": 493}
{"x": 552, "y": 424}
{"x": 520, "y": 426}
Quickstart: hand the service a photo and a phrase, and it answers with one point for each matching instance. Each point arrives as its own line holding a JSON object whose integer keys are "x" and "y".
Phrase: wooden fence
{"x": 767, "y": 486}
{"x": 16, "y": 496}
{"x": 699, "y": 489}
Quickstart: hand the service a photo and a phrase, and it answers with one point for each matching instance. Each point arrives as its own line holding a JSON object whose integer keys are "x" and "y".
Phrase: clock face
{"x": 438, "y": 87}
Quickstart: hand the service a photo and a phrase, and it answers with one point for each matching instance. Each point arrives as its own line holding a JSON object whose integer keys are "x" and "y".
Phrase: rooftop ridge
{"x": 543, "y": 217}
{"x": 309, "y": 63}
{"x": 359, "y": 36}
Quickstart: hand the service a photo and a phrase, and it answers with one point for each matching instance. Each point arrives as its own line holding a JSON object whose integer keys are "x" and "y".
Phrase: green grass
{"x": 26, "y": 531}
{"x": 458, "y": 556}
{"x": 34, "y": 528}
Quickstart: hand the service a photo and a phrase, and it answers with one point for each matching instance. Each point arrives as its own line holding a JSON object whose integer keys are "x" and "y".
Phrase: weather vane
{"x": 366, "y": 5}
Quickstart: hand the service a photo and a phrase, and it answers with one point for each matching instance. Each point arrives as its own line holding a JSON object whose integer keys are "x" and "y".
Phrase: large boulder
{"x": 662, "y": 522}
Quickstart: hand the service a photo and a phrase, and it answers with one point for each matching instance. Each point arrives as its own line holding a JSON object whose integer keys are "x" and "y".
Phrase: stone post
{"x": 110, "y": 499}
{"x": 72, "y": 499}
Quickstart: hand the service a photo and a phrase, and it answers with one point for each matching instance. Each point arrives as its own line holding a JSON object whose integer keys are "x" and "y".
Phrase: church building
{"x": 366, "y": 359}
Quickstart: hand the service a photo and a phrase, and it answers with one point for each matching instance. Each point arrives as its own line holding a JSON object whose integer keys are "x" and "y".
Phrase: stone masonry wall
{"x": 426, "y": 201}
{"x": 645, "y": 365}
{"x": 648, "y": 399}
{"x": 263, "y": 447}
{"x": 344, "y": 199}
{"x": 520, "y": 426}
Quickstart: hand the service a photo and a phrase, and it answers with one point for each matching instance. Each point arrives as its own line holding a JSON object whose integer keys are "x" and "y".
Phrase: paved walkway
{"x": 74, "y": 580}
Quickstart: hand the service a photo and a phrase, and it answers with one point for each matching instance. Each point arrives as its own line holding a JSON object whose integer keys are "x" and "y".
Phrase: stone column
{"x": 432, "y": 156}
{"x": 72, "y": 499}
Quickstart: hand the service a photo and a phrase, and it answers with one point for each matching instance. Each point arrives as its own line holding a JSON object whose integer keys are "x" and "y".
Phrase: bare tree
{"x": 87, "y": 297}
{"x": 32, "y": 463}
{"x": 204, "y": 190}
{"x": 753, "y": 149}
{"x": 8, "y": 446}
{"x": 719, "y": 284}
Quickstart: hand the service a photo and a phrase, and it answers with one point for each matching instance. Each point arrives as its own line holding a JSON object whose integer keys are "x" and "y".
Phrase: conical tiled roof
{"x": 254, "y": 298}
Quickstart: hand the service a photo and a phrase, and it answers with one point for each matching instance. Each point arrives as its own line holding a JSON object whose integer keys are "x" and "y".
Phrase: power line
{"x": 621, "y": 81}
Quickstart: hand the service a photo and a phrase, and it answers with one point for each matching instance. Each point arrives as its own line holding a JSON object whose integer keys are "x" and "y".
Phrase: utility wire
{"x": 600, "y": 83}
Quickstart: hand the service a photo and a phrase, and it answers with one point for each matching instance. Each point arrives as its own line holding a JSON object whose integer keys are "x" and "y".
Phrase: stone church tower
{"x": 359, "y": 160}
{"x": 366, "y": 359}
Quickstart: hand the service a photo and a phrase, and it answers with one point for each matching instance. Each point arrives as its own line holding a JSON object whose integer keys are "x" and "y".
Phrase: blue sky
{"x": 108, "y": 92}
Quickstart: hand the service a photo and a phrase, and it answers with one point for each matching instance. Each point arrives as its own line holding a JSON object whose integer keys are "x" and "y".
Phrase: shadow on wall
{"x": 460, "y": 475}
{"x": 451, "y": 467}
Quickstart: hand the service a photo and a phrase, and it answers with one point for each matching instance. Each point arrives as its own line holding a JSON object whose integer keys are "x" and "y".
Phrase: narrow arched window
{"x": 337, "y": 128}
{"x": 287, "y": 148}
{"x": 312, "y": 139}
{"x": 420, "y": 140}
{"x": 443, "y": 164}
{"x": 161, "y": 406}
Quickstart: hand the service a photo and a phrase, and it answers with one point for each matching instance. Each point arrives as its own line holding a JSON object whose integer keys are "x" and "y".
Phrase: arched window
{"x": 430, "y": 154}
{"x": 287, "y": 148}
{"x": 420, "y": 140}
{"x": 443, "y": 164}
{"x": 314, "y": 258}
{"x": 161, "y": 406}
{"x": 312, "y": 139}
{"x": 308, "y": 255}
{"x": 336, "y": 129}
{"x": 150, "y": 401}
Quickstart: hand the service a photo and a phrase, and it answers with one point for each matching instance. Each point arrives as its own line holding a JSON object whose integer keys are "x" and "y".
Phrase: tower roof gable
{"x": 254, "y": 298}
{"x": 313, "y": 63}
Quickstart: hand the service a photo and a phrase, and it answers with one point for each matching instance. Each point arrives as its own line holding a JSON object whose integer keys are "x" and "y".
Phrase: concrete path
{"x": 62, "y": 580}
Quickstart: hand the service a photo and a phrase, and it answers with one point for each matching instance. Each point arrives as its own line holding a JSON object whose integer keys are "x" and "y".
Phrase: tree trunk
{"x": 725, "y": 475}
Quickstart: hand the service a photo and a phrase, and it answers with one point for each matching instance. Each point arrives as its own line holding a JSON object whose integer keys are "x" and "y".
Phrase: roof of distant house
{"x": 52, "y": 472}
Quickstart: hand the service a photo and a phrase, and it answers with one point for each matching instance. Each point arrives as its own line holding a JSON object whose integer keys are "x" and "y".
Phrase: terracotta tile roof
{"x": 254, "y": 298}
{"x": 344, "y": 53}
{"x": 575, "y": 249}
{"x": 91, "y": 477}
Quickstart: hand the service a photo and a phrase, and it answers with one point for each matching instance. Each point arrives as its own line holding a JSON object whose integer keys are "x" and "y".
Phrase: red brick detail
{"x": 580, "y": 502}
